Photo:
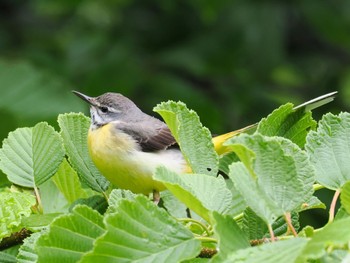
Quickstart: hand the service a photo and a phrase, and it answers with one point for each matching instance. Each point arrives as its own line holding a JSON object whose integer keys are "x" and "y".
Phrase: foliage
{"x": 249, "y": 214}
{"x": 236, "y": 58}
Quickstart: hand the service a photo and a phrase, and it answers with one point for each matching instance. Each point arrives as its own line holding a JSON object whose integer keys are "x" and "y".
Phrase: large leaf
{"x": 116, "y": 196}
{"x": 96, "y": 202}
{"x": 141, "y": 232}
{"x": 53, "y": 201}
{"x": 329, "y": 148}
{"x": 7, "y": 258}
{"x": 13, "y": 207}
{"x": 37, "y": 222}
{"x": 255, "y": 228}
{"x": 282, "y": 251}
{"x": 30, "y": 156}
{"x": 194, "y": 139}
{"x": 288, "y": 122}
{"x": 230, "y": 236}
{"x": 70, "y": 236}
{"x": 199, "y": 192}
{"x": 238, "y": 203}
{"x": 336, "y": 234}
{"x": 274, "y": 177}
{"x": 26, "y": 252}
{"x": 345, "y": 197}
{"x": 67, "y": 181}
{"x": 173, "y": 205}
{"x": 74, "y": 130}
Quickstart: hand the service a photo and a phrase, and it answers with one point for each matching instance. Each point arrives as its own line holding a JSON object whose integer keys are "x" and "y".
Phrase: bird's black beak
{"x": 90, "y": 100}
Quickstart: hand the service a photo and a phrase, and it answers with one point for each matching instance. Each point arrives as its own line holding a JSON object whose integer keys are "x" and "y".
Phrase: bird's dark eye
{"x": 104, "y": 109}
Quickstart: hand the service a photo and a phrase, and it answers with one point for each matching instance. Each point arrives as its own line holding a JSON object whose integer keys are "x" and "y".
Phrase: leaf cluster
{"x": 241, "y": 205}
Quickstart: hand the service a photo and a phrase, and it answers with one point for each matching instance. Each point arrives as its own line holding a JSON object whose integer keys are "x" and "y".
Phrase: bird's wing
{"x": 152, "y": 135}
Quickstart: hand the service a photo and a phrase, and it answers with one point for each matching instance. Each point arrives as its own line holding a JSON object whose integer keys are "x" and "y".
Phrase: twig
{"x": 191, "y": 220}
{"x": 332, "y": 207}
{"x": 15, "y": 238}
{"x": 272, "y": 234}
{"x": 288, "y": 219}
{"x": 37, "y": 194}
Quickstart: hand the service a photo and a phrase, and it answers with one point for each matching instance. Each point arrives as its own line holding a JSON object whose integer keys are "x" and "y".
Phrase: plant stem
{"x": 288, "y": 219}
{"x": 38, "y": 198}
{"x": 206, "y": 239}
{"x": 332, "y": 207}
{"x": 14, "y": 239}
{"x": 105, "y": 195}
{"x": 272, "y": 234}
{"x": 197, "y": 223}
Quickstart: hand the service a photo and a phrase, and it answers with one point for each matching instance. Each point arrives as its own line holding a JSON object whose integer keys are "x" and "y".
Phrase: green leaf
{"x": 52, "y": 199}
{"x": 230, "y": 236}
{"x": 30, "y": 156}
{"x": 226, "y": 160}
{"x": 288, "y": 123}
{"x": 7, "y": 258}
{"x": 341, "y": 213}
{"x": 67, "y": 181}
{"x": 335, "y": 234}
{"x": 74, "y": 130}
{"x": 195, "y": 140}
{"x": 141, "y": 232}
{"x": 13, "y": 207}
{"x": 312, "y": 203}
{"x": 37, "y": 222}
{"x": 116, "y": 196}
{"x": 345, "y": 197}
{"x": 275, "y": 176}
{"x": 27, "y": 253}
{"x": 255, "y": 228}
{"x": 237, "y": 204}
{"x": 281, "y": 251}
{"x": 96, "y": 202}
{"x": 70, "y": 236}
{"x": 199, "y": 192}
{"x": 173, "y": 205}
{"x": 328, "y": 148}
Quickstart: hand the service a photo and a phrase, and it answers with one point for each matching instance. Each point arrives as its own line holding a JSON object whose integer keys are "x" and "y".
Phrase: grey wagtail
{"x": 127, "y": 145}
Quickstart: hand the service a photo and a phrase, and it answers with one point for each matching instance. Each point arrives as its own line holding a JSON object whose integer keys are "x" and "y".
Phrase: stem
{"x": 288, "y": 219}
{"x": 38, "y": 198}
{"x": 14, "y": 239}
{"x": 272, "y": 234}
{"x": 196, "y": 222}
{"x": 332, "y": 207}
{"x": 207, "y": 239}
{"x": 105, "y": 196}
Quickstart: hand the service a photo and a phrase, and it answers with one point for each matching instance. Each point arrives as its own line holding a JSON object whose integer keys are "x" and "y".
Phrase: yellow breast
{"x": 118, "y": 158}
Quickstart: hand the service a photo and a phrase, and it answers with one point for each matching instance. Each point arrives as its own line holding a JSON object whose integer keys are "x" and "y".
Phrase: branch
{"x": 15, "y": 238}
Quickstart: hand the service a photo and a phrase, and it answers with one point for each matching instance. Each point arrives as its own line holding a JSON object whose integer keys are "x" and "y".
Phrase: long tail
{"x": 307, "y": 106}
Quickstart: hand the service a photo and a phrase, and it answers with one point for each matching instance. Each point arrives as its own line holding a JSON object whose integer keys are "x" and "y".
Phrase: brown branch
{"x": 15, "y": 238}
{"x": 207, "y": 252}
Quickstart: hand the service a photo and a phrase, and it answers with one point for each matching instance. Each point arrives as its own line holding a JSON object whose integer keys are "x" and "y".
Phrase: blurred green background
{"x": 231, "y": 61}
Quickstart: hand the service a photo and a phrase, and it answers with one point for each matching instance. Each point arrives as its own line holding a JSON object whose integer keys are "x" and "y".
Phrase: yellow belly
{"x": 116, "y": 156}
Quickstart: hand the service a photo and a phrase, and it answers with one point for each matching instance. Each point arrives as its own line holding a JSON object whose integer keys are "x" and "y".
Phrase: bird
{"x": 127, "y": 145}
